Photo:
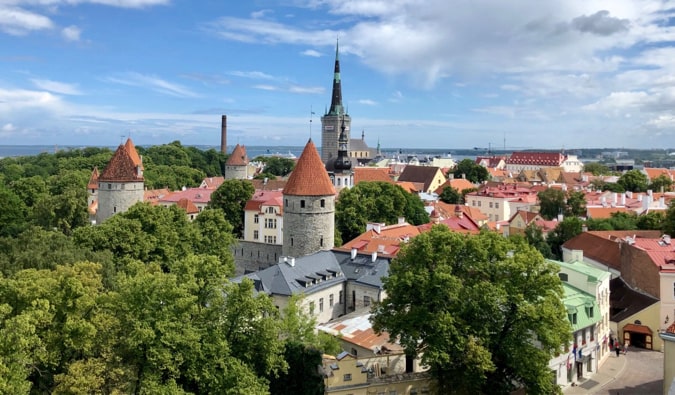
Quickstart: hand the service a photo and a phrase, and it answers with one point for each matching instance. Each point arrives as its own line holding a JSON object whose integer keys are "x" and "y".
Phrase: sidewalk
{"x": 611, "y": 369}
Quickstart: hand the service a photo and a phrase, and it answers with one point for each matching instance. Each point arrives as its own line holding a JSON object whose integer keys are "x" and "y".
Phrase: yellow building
{"x": 668, "y": 337}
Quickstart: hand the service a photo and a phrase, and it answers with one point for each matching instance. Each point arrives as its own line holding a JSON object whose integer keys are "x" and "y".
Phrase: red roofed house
{"x": 309, "y": 206}
{"x": 211, "y": 182}
{"x": 429, "y": 177}
{"x": 198, "y": 196}
{"x": 362, "y": 174}
{"x": 500, "y": 202}
{"x": 190, "y": 209}
{"x": 121, "y": 183}
{"x": 524, "y": 160}
{"x": 459, "y": 184}
{"x": 384, "y": 240}
{"x": 263, "y": 217}
{"x": 520, "y": 221}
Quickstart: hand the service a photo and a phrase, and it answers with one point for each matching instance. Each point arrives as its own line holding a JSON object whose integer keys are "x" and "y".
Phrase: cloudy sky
{"x": 415, "y": 73}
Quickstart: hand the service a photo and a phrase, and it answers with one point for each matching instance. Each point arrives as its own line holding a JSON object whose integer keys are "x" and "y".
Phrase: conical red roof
{"x": 93, "y": 180}
{"x": 133, "y": 154}
{"x": 238, "y": 156}
{"x": 122, "y": 167}
{"x": 309, "y": 178}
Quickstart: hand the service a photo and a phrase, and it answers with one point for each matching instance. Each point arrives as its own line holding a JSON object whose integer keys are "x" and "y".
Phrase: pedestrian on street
{"x": 617, "y": 348}
{"x": 625, "y": 347}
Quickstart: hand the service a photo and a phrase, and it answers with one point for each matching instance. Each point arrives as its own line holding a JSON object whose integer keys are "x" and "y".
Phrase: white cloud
{"x": 312, "y": 53}
{"x": 151, "y": 82}
{"x": 17, "y": 21}
{"x": 71, "y": 33}
{"x": 368, "y": 102}
{"x": 266, "y": 87}
{"x": 56, "y": 87}
{"x": 256, "y": 75}
{"x": 8, "y": 127}
{"x": 306, "y": 89}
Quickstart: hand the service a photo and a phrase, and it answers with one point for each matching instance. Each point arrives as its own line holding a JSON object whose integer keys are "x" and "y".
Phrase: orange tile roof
{"x": 153, "y": 196}
{"x": 655, "y": 172}
{"x": 265, "y": 198}
{"x": 604, "y": 212}
{"x": 93, "y": 180}
{"x": 602, "y": 245}
{"x": 122, "y": 166}
{"x": 212, "y": 182}
{"x": 131, "y": 149}
{"x": 388, "y": 238}
{"x": 238, "y": 156}
{"x": 187, "y": 205}
{"x": 370, "y": 174}
{"x": 272, "y": 185}
{"x": 309, "y": 178}
{"x": 411, "y": 187}
{"x": 459, "y": 184}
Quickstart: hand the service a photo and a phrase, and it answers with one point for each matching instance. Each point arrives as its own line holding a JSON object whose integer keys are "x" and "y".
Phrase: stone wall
{"x": 250, "y": 256}
{"x": 117, "y": 197}
{"x": 236, "y": 172}
{"x": 330, "y": 133}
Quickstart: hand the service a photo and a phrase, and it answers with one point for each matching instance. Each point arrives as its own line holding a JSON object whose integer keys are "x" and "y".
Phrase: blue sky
{"x": 415, "y": 73}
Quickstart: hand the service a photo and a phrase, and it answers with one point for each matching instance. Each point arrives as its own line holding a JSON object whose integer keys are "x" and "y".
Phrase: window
{"x": 366, "y": 300}
{"x": 321, "y": 305}
{"x": 490, "y": 204}
{"x": 574, "y": 318}
{"x": 496, "y": 204}
{"x": 563, "y": 276}
{"x": 270, "y": 210}
{"x": 256, "y": 236}
{"x": 302, "y": 204}
{"x": 323, "y": 202}
{"x": 291, "y": 241}
{"x": 271, "y": 223}
{"x": 340, "y": 297}
{"x": 347, "y": 377}
{"x": 109, "y": 186}
{"x": 256, "y": 219}
{"x": 311, "y": 307}
{"x": 479, "y": 203}
{"x": 590, "y": 311}
{"x": 321, "y": 241}
{"x": 330, "y": 300}
{"x": 114, "y": 209}
{"x": 286, "y": 202}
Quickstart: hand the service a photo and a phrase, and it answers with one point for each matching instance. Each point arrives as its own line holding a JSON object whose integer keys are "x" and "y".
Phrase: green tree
{"x": 29, "y": 189}
{"x": 463, "y": 303}
{"x": 551, "y": 203}
{"x": 597, "y": 169}
{"x": 576, "y": 204}
{"x": 634, "y": 180}
{"x": 565, "y": 230}
{"x": 535, "y": 237}
{"x": 64, "y": 211}
{"x": 652, "y": 220}
{"x": 375, "y": 202}
{"x": 231, "y": 197}
{"x": 662, "y": 183}
{"x": 215, "y": 237}
{"x": 277, "y": 166}
{"x": 669, "y": 220}
{"x": 472, "y": 171}
{"x": 450, "y": 195}
{"x": 12, "y": 213}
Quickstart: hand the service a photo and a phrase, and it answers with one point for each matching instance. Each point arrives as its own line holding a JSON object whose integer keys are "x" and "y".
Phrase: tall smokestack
{"x": 223, "y": 135}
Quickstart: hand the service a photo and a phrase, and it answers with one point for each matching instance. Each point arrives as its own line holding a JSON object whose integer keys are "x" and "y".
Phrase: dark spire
{"x": 342, "y": 162}
{"x": 336, "y": 100}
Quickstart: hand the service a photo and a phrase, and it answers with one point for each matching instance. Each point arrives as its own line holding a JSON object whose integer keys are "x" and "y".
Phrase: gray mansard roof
{"x": 307, "y": 274}
{"x": 362, "y": 269}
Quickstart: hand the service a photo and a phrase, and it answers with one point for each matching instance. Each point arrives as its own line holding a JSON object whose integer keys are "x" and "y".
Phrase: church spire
{"x": 336, "y": 100}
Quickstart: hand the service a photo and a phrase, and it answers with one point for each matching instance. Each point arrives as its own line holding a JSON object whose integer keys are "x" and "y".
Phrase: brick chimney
{"x": 223, "y": 135}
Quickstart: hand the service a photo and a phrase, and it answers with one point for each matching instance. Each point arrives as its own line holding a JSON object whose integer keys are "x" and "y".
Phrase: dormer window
{"x": 563, "y": 276}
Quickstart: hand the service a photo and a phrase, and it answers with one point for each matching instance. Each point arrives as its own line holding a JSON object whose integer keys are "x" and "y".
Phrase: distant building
{"x": 121, "y": 183}
{"x": 236, "y": 167}
{"x": 527, "y": 160}
{"x": 335, "y": 118}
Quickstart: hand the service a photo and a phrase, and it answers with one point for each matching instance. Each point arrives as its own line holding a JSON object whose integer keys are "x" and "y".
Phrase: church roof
{"x": 123, "y": 165}
{"x": 309, "y": 178}
{"x": 237, "y": 157}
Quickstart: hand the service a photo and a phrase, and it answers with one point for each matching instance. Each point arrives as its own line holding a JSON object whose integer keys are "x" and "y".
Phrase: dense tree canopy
{"x": 634, "y": 180}
{"x": 276, "y": 165}
{"x": 565, "y": 230}
{"x": 551, "y": 203}
{"x": 463, "y": 303}
{"x": 231, "y": 197}
{"x": 375, "y": 202}
{"x": 597, "y": 169}
{"x": 472, "y": 171}
{"x": 450, "y": 195}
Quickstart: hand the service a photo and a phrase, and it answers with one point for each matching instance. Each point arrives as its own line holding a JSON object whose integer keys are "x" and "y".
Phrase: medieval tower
{"x": 121, "y": 184}
{"x": 335, "y": 117}
{"x": 309, "y": 206}
{"x": 236, "y": 167}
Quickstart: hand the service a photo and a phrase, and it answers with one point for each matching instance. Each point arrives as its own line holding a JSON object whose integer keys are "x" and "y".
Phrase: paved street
{"x": 640, "y": 372}
{"x": 642, "y": 375}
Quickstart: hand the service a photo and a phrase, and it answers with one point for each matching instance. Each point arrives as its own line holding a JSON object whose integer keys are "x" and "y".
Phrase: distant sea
{"x": 252, "y": 151}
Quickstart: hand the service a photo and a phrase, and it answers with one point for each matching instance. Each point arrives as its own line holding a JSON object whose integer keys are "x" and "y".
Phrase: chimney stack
{"x": 223, "y": 135}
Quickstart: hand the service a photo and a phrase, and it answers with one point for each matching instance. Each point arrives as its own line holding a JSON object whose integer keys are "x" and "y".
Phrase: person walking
{"x": 625, "y": 347}
{"x": 617, "y": 348}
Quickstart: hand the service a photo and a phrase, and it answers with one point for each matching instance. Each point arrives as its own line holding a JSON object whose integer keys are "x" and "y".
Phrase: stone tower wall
{"x": 117, "y": 197}
{"x": 236, "y": 172}
{"x": 310, "y": 228}
{"x": 330, "y": 133}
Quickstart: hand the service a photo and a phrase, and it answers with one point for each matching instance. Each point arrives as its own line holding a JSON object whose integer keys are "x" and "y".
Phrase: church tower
{"x": 121, "y": 184}
{"x": 309, "y": 206}
{"x": 334, "y": 118}
{"x": 340, "y": 169}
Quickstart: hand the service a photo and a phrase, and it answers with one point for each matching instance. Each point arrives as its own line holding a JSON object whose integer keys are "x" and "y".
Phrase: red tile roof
{"x": 93, "y": 180}
{"x": 187, "y": 205}
{"x": 309, "y": 178}
{"x": 212, "y": 182}
{"x": 536, "y": 158}
{"x": 362, "y": 174}
{"x": 153, "y": 196}
{"x": 238, "y": 156}
{"x": 603, "y": 245}
{"x": 265, "y": 198}
{"x": 459, "y": 184}
{"x": 123, "y": 165}
{"x": 195, "y": 195}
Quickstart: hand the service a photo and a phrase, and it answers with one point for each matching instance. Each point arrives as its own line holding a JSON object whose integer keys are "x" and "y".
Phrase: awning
{"x": 637, "y": 329}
